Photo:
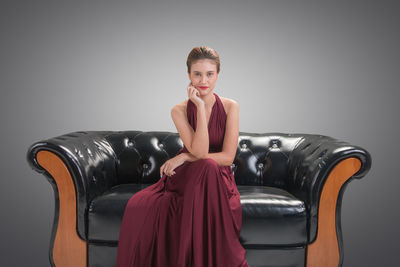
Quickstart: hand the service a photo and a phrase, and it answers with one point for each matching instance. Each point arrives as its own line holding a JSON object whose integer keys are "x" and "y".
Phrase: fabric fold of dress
{"x": 190, "y": 219}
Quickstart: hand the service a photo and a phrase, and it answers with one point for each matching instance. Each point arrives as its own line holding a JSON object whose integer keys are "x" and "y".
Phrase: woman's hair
{"x": 202, "y": 52}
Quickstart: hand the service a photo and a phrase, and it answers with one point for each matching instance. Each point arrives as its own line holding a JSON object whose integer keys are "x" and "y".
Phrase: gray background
{"x": 293, "y": 66}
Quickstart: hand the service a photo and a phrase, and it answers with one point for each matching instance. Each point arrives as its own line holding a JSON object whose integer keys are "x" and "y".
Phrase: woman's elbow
{"x": 230, "y": 160}
{"x": 200, "y": 153}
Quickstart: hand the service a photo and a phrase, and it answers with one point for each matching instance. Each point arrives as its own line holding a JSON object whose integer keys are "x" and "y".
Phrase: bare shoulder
{"x": 229, "y": 104}
{"x": 180, "y": 107}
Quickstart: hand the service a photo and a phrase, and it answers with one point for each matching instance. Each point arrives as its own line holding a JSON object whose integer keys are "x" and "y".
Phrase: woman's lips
{"x": 203, "y": 87}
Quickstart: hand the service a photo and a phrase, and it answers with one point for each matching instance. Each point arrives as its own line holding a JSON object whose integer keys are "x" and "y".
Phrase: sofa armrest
{"x": 87, "y": 158}
{"x": 319, "y": 169}
{"x": 310, "y": 164}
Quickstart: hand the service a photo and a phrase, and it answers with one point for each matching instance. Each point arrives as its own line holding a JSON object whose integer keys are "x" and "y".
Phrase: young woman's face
{"x": 203, "y": 73}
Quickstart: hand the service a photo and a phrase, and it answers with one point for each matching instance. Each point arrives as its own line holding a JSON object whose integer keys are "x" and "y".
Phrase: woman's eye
{"x": 209, "y": 74}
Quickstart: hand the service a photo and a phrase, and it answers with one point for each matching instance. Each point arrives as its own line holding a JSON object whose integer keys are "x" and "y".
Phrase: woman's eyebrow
{"x": 207, "y": 71}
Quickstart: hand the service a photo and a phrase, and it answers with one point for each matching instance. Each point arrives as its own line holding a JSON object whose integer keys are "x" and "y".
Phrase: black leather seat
{"x": 271, "y": 216}
{"x": 284, "y": 181}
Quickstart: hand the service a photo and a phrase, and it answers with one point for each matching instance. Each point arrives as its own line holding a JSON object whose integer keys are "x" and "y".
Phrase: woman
{"x": 192, "y": 216}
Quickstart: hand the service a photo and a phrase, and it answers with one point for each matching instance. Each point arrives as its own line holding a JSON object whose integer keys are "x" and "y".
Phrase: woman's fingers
{"x": 162, "y": 169}
{"x": 191, "y": 90}
{"x": 166, "y": 169}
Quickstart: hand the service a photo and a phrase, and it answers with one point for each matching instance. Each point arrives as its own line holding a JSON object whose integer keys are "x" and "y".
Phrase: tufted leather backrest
{"x": 261, "y": 158}
{"x": 100, "y": 159}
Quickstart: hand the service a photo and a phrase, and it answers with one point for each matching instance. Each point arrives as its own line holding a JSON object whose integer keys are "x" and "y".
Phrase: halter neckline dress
{"x": 190, "y": 219}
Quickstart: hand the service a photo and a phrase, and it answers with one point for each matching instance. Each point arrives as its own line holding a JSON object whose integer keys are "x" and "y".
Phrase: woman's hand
{"x": 193, "y": 94}
{"x": 169, "y": 166}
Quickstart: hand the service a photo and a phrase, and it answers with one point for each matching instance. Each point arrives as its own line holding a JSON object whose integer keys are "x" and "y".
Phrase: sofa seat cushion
{"x": 270, "y": 216}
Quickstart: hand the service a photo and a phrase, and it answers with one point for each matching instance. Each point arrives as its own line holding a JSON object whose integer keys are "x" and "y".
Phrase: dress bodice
{"x": 216, "y": 124}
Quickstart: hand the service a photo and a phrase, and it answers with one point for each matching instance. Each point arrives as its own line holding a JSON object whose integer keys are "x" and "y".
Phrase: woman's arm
{"x": 228, "y": 153}
{"x": 191, "y": 139}
{"x": 220, "y": 157}
{"x": 197, "y": 141}
{"x": 200, "y": 141}
{"x": 188, "y": 157}
{"x": 231, "y": 138}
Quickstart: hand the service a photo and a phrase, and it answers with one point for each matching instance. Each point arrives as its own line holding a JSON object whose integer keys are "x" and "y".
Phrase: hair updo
{"x": 202, "y": 52}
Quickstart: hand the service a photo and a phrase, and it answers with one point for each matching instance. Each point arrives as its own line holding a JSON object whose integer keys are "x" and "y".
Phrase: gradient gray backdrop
{"x": 321, "y": 67}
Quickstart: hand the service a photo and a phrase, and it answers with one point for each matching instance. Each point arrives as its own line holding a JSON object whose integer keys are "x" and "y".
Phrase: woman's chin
{"x": 205, "y": 92}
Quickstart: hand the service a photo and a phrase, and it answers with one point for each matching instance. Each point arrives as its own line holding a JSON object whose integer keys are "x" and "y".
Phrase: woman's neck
{"x": 209, "y": 100}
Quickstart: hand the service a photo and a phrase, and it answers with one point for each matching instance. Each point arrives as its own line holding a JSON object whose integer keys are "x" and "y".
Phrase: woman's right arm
{"x": 200, "y": 141}
{"x": 196, "y": 142}
{"x": 189, "y": 157}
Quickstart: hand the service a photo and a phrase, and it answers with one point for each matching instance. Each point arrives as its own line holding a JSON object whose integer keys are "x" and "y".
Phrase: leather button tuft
{"x": 244, "y": 145}
{"x": 130, "y": 143}
{"x": 79, "y": 153}
{"x": 260, "y": 165}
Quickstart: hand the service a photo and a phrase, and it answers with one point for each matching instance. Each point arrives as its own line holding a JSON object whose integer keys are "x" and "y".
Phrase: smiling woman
{"x": 192, "y": 216}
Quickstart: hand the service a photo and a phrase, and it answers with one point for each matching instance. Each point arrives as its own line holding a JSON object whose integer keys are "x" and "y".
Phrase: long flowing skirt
{"x": 190, "y": 219}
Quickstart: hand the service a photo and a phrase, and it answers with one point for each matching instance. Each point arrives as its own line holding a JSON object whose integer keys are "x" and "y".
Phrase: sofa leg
{"x": 325, "y": 250}
{"x": 68, "y": 248}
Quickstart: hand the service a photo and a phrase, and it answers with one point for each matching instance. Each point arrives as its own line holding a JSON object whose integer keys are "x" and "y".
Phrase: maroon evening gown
{"x": 190, "y": 219}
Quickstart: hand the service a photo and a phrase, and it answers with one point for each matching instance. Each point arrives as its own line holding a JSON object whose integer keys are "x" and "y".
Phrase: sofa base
{"x": 102, "y": 255}
{"x": 105, "y": 255}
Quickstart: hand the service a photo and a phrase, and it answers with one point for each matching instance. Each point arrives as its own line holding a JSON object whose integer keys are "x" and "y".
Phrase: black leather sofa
{"x": 290, "y": 186}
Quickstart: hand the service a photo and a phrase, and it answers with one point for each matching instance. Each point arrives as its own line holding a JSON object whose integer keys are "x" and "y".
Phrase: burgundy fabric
{"x": 190, "y": 219}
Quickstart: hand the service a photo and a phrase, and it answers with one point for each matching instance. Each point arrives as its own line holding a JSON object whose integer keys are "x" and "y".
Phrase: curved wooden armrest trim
{"x": 68, "y": 248}
{"x": 324, "y": 251}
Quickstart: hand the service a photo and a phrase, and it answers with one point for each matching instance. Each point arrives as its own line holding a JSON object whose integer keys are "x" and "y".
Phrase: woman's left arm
{"x": 231, "y": 138}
